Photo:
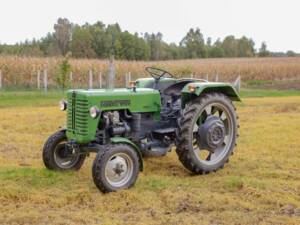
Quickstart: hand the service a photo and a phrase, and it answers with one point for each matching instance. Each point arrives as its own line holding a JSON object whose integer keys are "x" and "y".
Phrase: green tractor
{"x": 147, "y": 119}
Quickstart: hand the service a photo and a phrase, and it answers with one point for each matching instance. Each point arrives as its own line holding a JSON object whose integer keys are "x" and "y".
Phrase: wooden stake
{"x": 90, "y": 79}
{"x": 45, "y": 80}
{"x": 129, "y": 77}
{"x": 237, "y": 83}
{"x": 71, "y": 78}
{"x": 100, "y": 79}
{"x": 0, "y": 79}
{"x": 126, "y": 80}
{"x": 217, "y": 78}
{"x": 111, "y": 73}
{"x": 39, "y": 79}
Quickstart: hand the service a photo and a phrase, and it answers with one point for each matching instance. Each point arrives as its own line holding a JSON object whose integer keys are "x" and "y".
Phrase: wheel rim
{"x": 221, "y": 114}
{"x": 119, "y": 170}
{"x": 65, "y": 158}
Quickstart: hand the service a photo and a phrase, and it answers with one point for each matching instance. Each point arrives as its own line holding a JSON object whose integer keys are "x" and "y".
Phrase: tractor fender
{"x": 207, "y": 87}
{"x": 116, "y": 140}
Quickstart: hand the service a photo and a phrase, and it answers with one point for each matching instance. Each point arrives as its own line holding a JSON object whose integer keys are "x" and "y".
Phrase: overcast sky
{"x": 275, "y": 21}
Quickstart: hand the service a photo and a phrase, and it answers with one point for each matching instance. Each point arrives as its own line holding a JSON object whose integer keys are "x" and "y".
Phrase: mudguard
{"x": 117, "y": 140}
{"x": 206, "y": 87}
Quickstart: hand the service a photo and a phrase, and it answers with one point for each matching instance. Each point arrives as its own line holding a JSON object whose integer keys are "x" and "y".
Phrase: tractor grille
{"x": 77, "y": 116}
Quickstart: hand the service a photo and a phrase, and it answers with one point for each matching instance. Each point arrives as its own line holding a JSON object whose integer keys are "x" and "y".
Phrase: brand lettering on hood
{"x": 114, "y": 103}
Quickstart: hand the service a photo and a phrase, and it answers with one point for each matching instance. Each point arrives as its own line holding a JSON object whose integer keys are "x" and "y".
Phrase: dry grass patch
{"x": 22, "y": 71}
{"x": 260, "y": 185}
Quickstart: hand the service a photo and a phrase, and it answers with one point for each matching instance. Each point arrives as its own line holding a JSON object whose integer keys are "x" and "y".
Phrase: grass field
{"x": 260, "y": 185}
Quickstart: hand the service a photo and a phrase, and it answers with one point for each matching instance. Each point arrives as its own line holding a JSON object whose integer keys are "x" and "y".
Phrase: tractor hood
{"x": 82, "y": 127}
{"x": 138, "y": 100}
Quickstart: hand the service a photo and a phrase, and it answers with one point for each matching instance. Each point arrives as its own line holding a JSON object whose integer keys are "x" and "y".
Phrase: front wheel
{"x": 57, "y": 156}
{"x": 115, "y": 168}
{"x": 207, "y": 133}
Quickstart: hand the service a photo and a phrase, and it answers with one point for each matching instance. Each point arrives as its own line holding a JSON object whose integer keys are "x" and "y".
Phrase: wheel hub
{"x": 64, "y": 152}
{"x": 118, "y": 170}
{"x": 64, "y": 156}
{"x": 211, "y": 133}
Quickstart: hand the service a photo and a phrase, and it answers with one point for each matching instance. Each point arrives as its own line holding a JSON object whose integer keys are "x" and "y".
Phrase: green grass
{"x": 29, "y": 98}
{"x": 157, "y": 184}
{"x": 234, "y": 183}
{"x": 250, "y": 93}
{"x": 257, "y": 83}
{"x": 34, "y": 177}
{"x": 51, "y": 98}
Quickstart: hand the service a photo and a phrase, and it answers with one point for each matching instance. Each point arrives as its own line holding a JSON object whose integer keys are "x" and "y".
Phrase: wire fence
{"x": 91, "y": 80}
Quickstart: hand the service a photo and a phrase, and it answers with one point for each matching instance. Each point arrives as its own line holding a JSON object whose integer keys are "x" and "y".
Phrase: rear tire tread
{"x": 182, "y": 135}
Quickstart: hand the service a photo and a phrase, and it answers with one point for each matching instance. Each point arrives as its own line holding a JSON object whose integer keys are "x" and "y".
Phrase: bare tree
{"x": 63, "y": 32}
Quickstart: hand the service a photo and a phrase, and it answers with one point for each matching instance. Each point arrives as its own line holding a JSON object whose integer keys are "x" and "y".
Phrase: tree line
{"x": 101, "y": 41}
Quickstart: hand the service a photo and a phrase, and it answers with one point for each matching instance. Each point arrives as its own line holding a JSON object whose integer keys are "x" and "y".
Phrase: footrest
{"x": 164, "y": 130}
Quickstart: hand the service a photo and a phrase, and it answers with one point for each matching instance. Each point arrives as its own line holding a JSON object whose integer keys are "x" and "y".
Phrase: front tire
{"x": 56, "y": 156}
{"x": 207, "y": 133}
{"x": 116, "y": 167}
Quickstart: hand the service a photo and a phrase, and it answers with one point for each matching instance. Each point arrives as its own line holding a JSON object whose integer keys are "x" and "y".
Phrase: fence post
{"x": 39, "y": 79}
{"x": 206, "y": 77}
{"x": 90, "y": 79}
{"x": 111, "y": 73}
{"x": 45, "y": 80}
{"x": 126, "y": 80}
{"x": 100, "y": 79}
{"x": 0, "y": 79}
{"x": 192, "y": 75}
{"x": 217, "y": 77}
{"x": 237, "y": 83}
{"x": 129, "y": 77}
{"x": 71, "y": 79}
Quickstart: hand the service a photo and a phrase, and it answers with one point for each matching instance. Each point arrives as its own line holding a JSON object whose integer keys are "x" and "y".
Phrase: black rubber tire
{"x": 48, "y": 153}
{"x": 184, "y": 133}
{"x": 98, "y": 169}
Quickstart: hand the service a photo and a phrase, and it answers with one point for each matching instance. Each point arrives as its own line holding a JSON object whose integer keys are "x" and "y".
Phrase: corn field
{"x": 23, "y": 71}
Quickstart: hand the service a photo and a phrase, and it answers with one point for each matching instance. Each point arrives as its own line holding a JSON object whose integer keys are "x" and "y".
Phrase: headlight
{"x": 63, "y": 105}
{"x": 94, "y": 112}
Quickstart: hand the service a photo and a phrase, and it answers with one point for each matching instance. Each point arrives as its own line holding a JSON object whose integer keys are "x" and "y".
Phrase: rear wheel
{"x": 115, "y": 168}
{"x": 57, "y": 156}
{"x": 207, "y": 133}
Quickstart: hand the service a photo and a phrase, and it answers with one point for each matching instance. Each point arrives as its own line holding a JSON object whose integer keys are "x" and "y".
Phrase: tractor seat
{"x": 162, "y": 85}
{"x": 175, "y": 89}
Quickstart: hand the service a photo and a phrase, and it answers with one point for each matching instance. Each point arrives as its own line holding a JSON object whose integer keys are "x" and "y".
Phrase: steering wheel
{"x": 157, "y": 73}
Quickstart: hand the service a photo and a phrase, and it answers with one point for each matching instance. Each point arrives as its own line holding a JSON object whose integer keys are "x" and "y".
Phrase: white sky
{"x": 275, "y": 21}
